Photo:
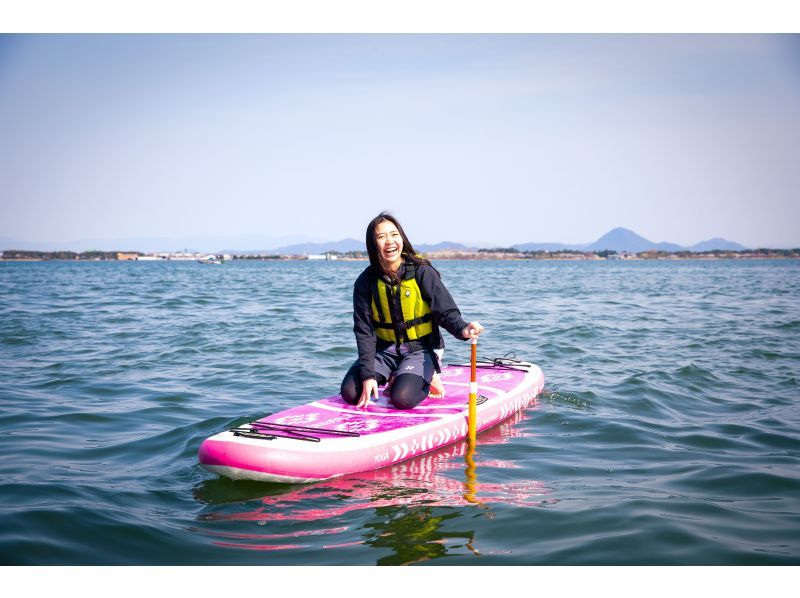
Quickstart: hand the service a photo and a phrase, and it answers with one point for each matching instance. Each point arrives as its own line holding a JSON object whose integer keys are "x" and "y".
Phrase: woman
{"x": 399, "y": 303}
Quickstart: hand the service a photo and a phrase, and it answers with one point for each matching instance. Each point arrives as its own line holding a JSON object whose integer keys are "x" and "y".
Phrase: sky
{"x": 488, "y": 140}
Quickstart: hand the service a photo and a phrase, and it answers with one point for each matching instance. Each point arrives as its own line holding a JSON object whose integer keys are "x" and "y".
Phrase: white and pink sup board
{"x": 329, "y": 438}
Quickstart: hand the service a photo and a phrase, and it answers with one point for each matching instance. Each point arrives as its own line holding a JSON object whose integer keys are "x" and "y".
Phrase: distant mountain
{"x": 445, "y": 245}
{"x": 622, "y": 239}
{"x": 346, "y": 245}
{"x": 84, "y": 245}
{"x": 152, "y": 244}
{"x": 342, "y": 246}
{"x": 716, "y": 243}
{"x": 545, "y": 246}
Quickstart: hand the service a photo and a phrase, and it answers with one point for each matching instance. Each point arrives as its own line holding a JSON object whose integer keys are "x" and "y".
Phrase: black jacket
{"x": 444, "y": 311}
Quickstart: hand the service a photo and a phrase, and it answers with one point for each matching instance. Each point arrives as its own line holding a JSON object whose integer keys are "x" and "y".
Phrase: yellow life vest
{"x": 399, "y": 312}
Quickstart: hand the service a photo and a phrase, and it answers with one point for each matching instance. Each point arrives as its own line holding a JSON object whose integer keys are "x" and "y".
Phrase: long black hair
{"x": 408, "y": 254}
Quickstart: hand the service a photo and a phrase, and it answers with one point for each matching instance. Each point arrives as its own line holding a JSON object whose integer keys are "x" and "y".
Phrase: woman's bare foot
{"x": 437, "y": 388}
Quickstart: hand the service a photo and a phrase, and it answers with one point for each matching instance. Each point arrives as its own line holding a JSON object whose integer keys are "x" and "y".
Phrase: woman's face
{"x": 390, "y": 245}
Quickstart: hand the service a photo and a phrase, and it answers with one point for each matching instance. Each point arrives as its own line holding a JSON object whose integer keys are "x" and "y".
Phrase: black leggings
{"x": 408, "y": 390}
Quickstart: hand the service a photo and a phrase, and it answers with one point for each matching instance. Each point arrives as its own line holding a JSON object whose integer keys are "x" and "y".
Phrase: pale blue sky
{"x": 483, "y": 139}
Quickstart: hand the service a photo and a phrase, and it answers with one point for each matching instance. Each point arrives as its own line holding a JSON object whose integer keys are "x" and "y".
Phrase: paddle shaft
{"x": 473, "y": 391}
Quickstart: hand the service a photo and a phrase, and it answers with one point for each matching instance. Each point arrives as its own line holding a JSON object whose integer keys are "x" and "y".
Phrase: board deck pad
{"x": 328, "y": 437}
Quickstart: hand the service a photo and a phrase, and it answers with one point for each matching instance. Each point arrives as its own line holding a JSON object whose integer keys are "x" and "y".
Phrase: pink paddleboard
{"x": 329, "y": 438}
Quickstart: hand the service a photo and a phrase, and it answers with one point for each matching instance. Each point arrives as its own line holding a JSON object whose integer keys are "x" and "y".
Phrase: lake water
{"x": 668, "y": 433}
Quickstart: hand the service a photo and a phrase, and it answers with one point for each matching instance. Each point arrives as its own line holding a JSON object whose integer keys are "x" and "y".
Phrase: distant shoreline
{"x": 481, "y": 255}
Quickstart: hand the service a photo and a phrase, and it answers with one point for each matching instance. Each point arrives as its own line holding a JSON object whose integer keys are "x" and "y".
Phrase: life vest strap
{"x": 404, "y": 325}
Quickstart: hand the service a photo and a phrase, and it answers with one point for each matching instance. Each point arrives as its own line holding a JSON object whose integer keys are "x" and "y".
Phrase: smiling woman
{"x": 389, "y": 242}
{"x": 399, "y": 303}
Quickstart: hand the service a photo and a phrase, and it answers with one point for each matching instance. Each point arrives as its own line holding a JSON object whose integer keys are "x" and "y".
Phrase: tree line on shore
{"x": 19, "y": 254}
{"x": 606, "y": 253}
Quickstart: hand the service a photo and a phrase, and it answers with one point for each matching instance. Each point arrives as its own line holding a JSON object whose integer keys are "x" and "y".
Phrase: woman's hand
{"x": 472, "y": 329}
{"x": 370, "y": 388}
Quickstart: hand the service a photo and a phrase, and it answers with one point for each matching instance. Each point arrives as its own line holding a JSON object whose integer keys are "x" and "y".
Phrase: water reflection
{"x": 401, "y": 504}
{"x": 415, "y": 535}
{"x": 470, "y": 474}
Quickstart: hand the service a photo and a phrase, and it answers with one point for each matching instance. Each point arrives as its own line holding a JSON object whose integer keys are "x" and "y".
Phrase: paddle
{"x": 473, "y": 389}
{"x": 472, "y": 424}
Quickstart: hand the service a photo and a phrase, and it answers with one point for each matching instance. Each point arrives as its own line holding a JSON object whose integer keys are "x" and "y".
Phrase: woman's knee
{"x": 408, "y": 391}
{"x": 350, "y": 389}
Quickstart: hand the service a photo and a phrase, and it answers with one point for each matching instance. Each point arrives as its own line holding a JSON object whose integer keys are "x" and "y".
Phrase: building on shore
{"x": 323, "y": 256}
{"x": 150, "y": 258}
